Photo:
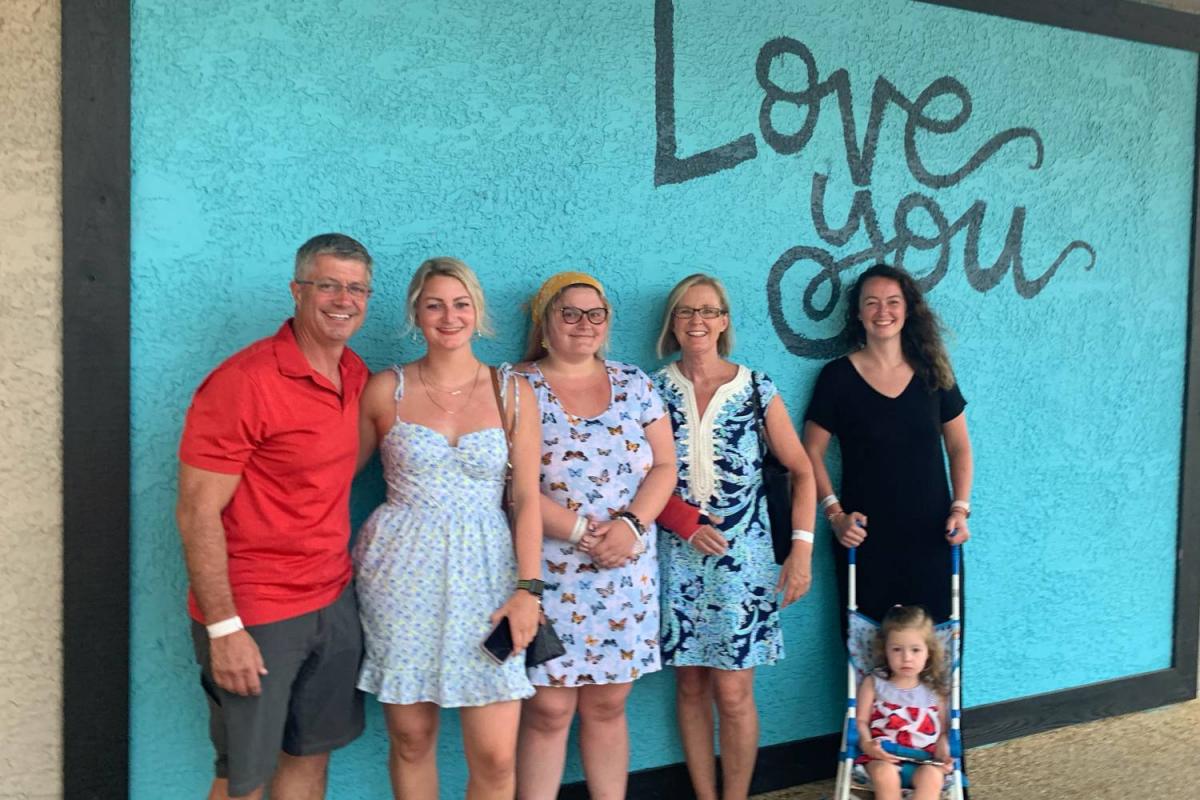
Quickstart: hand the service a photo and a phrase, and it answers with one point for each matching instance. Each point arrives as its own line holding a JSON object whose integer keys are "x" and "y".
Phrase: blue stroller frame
{"x": 850, "y": 750}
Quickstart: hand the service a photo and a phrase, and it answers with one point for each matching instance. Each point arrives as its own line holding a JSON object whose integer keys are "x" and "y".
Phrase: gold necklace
{"x": 452, "y": 392}
{"x": 429, "y": 394}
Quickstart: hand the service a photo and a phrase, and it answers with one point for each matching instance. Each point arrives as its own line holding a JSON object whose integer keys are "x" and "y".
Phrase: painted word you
{"x": 918, "y": 223}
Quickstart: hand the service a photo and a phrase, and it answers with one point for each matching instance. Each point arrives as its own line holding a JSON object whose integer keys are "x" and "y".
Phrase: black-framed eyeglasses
{"x": 705, "y": 312}
{"x": 571, "y": 315}
{"x": 359, "y": 291}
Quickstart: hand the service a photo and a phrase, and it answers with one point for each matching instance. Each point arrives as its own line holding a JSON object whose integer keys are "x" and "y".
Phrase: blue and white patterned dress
{"x": 431, "y": 565}
{"x": 607, "y": 618}
{"x": 720, "y": 611}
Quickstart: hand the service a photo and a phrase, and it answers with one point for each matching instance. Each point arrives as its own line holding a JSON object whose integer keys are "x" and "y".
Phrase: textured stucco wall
{"x": 30, "y": 399}
{"x": 521, "y": 138}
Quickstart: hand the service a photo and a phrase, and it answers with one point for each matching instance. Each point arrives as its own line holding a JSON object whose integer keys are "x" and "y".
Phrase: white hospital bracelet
{"x": 639, "y": 540}
{"x": 802, "y": 536}
{"x": 578, "y": 531}
{"x": 636, "y": 533}
{"x": 224, "y": 627}
{"x": 829, "y": 500}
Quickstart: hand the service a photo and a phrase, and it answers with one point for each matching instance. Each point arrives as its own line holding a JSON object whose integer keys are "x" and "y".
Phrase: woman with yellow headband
{"x": 608, "y": 467}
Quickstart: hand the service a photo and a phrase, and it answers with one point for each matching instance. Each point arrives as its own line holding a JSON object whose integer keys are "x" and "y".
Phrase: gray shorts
{"x": 309, "y": 703}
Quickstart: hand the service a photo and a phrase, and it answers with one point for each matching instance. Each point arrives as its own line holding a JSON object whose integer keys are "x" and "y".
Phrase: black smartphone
{"x": 498, "y": 645}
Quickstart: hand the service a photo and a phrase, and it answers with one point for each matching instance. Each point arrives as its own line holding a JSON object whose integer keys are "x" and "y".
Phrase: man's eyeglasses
{"x": 705, "y": 312}
{"x": 358, "y": 291}
{"x": 571, "y": 315}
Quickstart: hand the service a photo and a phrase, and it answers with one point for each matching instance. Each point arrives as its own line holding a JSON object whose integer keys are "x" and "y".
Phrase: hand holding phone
{"x": 498, "y": 645}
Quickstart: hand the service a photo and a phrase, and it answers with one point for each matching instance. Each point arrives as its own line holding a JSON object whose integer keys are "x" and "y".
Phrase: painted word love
{"x": 936, "y": 233}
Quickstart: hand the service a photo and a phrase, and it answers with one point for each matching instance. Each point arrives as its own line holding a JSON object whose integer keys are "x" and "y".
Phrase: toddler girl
{"x": 903, "y": 701}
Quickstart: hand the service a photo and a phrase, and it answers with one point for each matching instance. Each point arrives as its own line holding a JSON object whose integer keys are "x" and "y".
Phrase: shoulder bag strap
{"x": 506, "y": 497}
{"x": 758, "y": 417}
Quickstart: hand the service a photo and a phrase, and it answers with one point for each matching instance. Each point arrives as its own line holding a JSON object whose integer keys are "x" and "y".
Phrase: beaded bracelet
{"x": 632, "y": 519}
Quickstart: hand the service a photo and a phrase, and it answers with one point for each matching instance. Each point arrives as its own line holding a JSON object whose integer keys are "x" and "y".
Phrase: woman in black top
{"x": 892, "y": 402}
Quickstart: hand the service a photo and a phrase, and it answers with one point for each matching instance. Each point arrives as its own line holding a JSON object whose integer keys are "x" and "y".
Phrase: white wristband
{"x": 963, "y": 504}
{"x": 225, "y": 627}
{"x": 829, "y": 500}
{"x": 636, "y": 533}
{"x": 578, "y": 531}
{"x": 639, "y": 541}
{"x": 802, "y": 536}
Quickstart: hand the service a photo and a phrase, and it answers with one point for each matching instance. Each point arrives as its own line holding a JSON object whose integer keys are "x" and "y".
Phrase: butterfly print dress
{"x": 606, "y": 618}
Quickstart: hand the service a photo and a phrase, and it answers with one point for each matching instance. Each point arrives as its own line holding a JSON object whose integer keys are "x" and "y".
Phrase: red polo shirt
{"x": 267, "y": 415}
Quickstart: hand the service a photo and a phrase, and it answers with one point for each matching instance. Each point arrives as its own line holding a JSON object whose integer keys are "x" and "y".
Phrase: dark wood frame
{"x": 96, "y": 448}
{"x": 95, "y": 350}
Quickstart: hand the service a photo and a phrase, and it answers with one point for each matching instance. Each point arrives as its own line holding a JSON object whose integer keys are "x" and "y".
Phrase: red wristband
{"x": 680, "y": 517}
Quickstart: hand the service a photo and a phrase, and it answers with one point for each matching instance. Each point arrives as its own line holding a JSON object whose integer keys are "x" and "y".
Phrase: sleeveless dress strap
{"x": 505, "y": 371}
{"x": 399, "y": 370}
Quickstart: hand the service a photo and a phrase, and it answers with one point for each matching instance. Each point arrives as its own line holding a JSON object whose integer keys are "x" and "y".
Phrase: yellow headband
{"x": 555, "y": 284}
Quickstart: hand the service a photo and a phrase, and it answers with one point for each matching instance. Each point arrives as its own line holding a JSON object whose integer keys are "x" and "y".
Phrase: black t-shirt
{"x": 894, "y": 471}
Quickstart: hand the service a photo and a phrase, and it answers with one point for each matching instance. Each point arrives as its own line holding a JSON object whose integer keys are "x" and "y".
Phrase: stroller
{"x": 851, "y": 783}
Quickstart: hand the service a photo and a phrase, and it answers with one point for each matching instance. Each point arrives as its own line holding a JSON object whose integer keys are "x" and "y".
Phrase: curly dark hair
{"x": 921, "y": 337}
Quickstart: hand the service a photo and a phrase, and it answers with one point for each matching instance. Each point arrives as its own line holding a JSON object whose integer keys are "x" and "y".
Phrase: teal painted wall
{"x": 521, "y": 138}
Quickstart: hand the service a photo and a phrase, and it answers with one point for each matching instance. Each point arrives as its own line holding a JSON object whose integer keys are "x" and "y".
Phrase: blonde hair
{"x": 667, "y": 343}
{"x": 899, "y": 618}
{"x": 450, "y": 268}
{"x": 534, "y": 347}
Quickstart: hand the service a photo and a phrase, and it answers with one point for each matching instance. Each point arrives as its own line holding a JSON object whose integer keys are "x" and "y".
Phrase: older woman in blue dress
{"x": 607, "y": 469}
{"x": 436, "y": 564}
{"x": 719, "y": 578}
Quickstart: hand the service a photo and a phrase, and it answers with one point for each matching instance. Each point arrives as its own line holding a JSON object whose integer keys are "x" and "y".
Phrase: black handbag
{"x": 545, "y": 645}
{"x": 777, "y": 485}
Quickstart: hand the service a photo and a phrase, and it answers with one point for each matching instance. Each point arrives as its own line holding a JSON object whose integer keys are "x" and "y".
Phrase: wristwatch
{"x": 534, "y": 586}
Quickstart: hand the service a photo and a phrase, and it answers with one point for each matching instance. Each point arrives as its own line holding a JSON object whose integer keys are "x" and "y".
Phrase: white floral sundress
{"x": 431, "y": 565}
{"x": 606, "y": 618}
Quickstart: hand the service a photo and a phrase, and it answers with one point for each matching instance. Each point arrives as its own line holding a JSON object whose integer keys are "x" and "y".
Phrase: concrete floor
{"x": 1151, "y": 755}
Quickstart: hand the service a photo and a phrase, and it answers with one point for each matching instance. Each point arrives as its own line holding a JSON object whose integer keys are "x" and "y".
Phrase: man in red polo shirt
{"x": 267, "y": 455}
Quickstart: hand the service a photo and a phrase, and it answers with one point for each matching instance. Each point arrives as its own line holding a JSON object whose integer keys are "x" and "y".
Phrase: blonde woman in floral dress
{"x": 436, "y": 565}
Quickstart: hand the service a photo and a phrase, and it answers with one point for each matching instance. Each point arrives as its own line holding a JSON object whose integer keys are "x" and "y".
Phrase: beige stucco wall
{"x": 30, "y": 402}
